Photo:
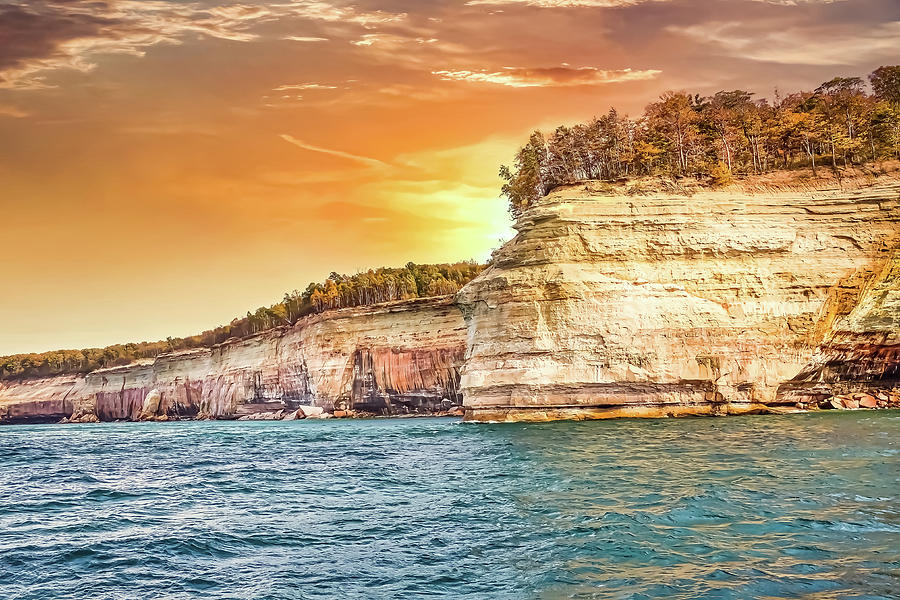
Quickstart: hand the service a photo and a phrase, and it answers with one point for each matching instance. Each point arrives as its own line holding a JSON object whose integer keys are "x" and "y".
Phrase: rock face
{"x": 401, "y": 357}
{"x": 607, "y": 304}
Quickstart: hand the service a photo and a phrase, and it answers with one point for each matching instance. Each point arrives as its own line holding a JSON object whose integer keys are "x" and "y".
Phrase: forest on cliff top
{"x": 837, "y": 125}
{"x": 337, "y": 291}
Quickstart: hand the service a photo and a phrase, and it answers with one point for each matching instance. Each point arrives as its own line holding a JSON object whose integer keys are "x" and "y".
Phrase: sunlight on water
{"x": 805, "y": 506}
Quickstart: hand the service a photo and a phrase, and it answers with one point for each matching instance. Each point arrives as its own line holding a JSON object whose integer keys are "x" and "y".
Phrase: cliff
{"x": 395, "y": 358}
{"x": 633, "y": 302}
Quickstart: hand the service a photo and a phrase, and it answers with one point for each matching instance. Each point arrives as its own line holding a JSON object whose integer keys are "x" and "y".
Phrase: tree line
{"x": 840, "y": 123}
{"x": 337, "y": 291}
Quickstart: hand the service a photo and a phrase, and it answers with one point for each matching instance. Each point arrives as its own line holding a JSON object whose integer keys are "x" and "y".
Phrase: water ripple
{"x": 804, "y": 506}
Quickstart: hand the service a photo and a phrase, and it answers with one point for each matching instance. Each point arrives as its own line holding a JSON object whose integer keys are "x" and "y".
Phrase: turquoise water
{"x": 803, "y": 506}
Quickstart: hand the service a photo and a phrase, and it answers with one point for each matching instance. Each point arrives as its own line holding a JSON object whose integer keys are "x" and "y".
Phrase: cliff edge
{"x": 394, "y": 358}
{"x": 617, "y": 302}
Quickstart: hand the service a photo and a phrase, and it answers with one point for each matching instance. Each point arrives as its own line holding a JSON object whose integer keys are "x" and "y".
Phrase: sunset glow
{"x": 167, "y": 165}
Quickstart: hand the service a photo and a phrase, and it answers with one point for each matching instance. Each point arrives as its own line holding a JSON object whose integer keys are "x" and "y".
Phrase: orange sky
{"x": 167, "y": 165}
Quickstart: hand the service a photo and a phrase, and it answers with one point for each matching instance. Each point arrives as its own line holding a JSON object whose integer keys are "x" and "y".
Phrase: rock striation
{"x": 612, "y": 302}
{"x": 394, "y": 358}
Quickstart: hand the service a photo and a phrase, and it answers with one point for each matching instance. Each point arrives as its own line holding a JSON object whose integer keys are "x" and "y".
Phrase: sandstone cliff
{"x": 615, "y": 302}
{"x": 395, "y": 358}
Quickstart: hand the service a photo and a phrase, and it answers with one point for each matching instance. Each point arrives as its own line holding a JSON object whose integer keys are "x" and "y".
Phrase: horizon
{"x": 170, "y": 166}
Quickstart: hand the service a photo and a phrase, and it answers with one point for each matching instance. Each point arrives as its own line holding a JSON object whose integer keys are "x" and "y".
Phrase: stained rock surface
{"x": 609, "y": 303}
{"x": 395, "y": 358}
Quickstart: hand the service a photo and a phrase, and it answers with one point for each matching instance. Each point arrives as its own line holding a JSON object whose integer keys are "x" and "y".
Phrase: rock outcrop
{"x": 611, "y": 302}
{"x": 395, "y": 358}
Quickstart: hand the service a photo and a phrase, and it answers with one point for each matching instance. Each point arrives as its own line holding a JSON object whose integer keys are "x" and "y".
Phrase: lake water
{"x": 802, "y": 506}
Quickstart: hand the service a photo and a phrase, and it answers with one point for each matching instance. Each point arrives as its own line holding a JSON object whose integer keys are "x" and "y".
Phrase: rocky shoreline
{"x": 301, "y": 413}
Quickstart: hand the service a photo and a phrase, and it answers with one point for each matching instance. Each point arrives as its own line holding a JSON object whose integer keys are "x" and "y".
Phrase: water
{"x": 803, "y": 506}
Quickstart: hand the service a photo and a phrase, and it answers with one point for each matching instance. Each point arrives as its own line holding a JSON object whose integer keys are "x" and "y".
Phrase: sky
{"x": 167, "y": 165}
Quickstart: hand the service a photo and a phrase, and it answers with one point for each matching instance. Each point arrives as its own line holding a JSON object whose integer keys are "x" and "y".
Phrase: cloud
{"x": 548, "y": 77}
{"x": 414, "y": 49}
{"x": 12, "y": 111}
{"x": 328, "y": 11}
{"x": 615, "y": 3}
{"x": 304, "y": 86}
{"x": 389, "y": 40}
{"x": 561, "y": 3}
{"x": 372, "y": 162}
{"x": 405, "y": 91}
{"x": 303, "y": 38}
{"x": 819, "y": 45}
{"x": 40, "y": 36}
{"x": 45, "y": 36}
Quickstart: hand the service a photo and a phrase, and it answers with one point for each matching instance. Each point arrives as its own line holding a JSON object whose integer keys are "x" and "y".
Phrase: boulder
{"x": 868, "y": 402}
{"x": 294, "y": 415}
{"x": 263, "y": 416}
{"x": 150, "y": 406}
{"x": 86, "y": 418}
{"x": 311, "y": 412}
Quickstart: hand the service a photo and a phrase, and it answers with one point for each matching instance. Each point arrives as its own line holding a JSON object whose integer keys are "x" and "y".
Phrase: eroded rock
{"x": 311, "y": 412}
{"x": 150, "y": 407}
{"x": 661, "y": 305}
{"x": 394, "y": 357}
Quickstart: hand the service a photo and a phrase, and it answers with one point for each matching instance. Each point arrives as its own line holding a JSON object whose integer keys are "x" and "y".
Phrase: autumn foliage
{"x": 838, "y": 124}
{"x": 338, "y": 291}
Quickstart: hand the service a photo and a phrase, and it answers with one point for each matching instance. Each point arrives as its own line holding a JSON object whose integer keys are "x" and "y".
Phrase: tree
{"x": 721, "y": 114}
{"x": 683, "y": 134}
{"x": 528, "y": 182}
{"x": 885, "y": 82}
{"x": 675, "y": 117}
{"x": 886, "y": 128}
{"x": 840, "y": 104}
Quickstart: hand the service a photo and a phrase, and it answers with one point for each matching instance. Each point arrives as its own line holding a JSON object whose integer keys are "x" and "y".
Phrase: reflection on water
{"x": 802, "y": 506}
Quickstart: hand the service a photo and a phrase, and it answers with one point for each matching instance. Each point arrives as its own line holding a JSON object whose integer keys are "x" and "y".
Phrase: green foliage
{"x": 338, "y": 291}
{"x": 718, "y": 136}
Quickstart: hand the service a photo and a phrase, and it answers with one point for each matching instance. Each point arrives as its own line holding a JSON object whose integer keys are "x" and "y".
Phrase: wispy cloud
{"x": 616, "y": 3}
{"x": 45, "y": 36}
{"x": 329, "y": 11}
{"x": 549, "y": 76}
{"x": 12, "y": 111}
{"x": 372, "y": 162}
{"x": 419, "y": 93}
{"x": 304, "y": 86}
{"x": 391, "y": 40}
{"x": 561, "y": 3}
{"x": 41, "y": 36}
{"x": 304, "y": 38}
{"x": 802, "y": 45}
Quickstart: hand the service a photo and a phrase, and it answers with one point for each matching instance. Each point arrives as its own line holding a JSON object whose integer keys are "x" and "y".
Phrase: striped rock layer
{"x": 395, "y": 358}
{"x": 720, "y": 302}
